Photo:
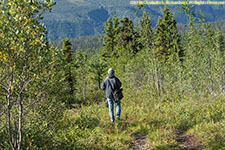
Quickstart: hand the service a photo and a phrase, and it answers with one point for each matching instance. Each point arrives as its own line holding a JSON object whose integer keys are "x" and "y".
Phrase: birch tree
{"x": 23, "y": 58}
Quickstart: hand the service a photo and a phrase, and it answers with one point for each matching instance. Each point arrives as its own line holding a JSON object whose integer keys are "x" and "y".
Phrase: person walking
{"x": 110, "y": 83}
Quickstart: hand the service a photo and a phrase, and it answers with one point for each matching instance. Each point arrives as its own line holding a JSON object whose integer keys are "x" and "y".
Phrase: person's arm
{"x": 103, "y": 86}
{"x": 119, "y": 84}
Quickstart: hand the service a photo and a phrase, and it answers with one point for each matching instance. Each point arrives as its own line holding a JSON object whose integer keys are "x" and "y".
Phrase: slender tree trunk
{"x": 70, "y": 81}
{"x": 9, "y": 106}
{"x": 20, "y": 123}
{"x": 83, "y": 88}
{"x": 181, "y": 82}
{"x": 1, "y": 107}
{"x": 9, "y": 125}
{"x": 99, "y": 80}
{"x": 211, "y": 88}
{"x": 223, "y": 84}
{"x": 157, "y": 76}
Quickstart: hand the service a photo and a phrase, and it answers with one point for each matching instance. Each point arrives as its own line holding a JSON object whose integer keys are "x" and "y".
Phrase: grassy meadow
{"x": 147, "y": 123}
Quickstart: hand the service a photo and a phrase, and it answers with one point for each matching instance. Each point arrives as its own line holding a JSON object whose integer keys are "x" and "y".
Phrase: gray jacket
{"x": 115, "y": 83}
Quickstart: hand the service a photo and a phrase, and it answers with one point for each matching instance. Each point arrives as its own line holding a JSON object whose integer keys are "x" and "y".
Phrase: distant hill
{"x": 88, "y": 44}
{"x": 75, "y": 18}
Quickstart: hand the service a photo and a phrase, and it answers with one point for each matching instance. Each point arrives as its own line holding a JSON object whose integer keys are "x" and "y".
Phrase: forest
{"x": 50, "y": 97}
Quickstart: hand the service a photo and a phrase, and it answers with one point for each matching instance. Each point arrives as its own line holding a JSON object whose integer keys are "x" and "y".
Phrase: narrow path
{"x": 139, "y": 142}
{"x": 187, "y": 142}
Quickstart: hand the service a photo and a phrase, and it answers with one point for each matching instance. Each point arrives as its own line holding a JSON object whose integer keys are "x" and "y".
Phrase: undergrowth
{"x": 157, "y": 120}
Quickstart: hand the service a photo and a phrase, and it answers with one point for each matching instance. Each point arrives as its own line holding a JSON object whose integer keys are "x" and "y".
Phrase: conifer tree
{"x": 127, "y": 38}
{"x": 109, "y": 39}
{"x": 115, "y": 23}
{"x": 219, "y": 42}
{"x": 81, "y": 73}
{"x": 97, "y": 68}
{"x": 146, "y": 33}
{"x": 167, "y": 49}
{"x": 68, "y": 64}
{"x": 167, "y": 38}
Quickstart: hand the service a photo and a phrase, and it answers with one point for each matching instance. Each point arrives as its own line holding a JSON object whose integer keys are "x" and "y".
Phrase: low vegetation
{"x": 161, "y": 122}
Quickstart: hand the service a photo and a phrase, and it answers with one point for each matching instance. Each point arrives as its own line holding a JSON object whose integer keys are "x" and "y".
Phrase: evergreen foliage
{"x": 110, "y": 37}
{"x": 146, "y": 33}
{"x": 81, "y": 71}
{"x": 127, "y": 38}
{"x": 167, "y": 39}
{"x": 108, "y": 40}
{"x": 68, "y": 63}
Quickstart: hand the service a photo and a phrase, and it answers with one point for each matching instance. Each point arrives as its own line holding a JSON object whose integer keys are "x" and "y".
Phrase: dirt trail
{"x": 139, "y": 142}
{"x": 187, "y": 142}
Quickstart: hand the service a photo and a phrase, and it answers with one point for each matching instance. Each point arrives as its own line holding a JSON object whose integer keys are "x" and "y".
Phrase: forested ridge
{"x": 90, "y": 44}
{"x": 75, "y": 18}
{"x": 173, "y": 83}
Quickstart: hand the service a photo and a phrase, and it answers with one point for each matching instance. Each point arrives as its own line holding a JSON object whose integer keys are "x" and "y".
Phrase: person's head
{"x": 111, "y": 72}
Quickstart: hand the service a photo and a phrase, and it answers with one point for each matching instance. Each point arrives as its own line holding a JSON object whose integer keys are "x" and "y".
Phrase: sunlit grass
{"x": 158, "y": 121}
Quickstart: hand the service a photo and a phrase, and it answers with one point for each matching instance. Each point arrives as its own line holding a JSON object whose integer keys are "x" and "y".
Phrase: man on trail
{"x": 110, "y": 83}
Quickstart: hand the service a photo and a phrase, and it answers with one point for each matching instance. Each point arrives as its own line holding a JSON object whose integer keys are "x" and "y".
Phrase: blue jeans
{"x": 111, "y": 103}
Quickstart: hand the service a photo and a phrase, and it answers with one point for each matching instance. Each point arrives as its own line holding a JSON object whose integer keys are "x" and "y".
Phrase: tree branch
{"x": 2, "y": 94}
{"x": 24, "y": 85}
{"x": 2, "y": 146}
{"x": 2, "y": 84}
{"x": 30, "y": 105}
{"x": 4, "y": 111}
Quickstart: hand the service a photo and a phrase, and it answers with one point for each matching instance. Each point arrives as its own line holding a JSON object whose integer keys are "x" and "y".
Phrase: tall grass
{"x": 159, "y": 121}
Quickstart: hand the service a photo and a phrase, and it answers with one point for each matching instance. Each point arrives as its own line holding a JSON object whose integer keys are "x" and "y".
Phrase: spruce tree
{"x": 68, "y": 64}
{"x": 219, "y": 42}
{"x": 167, "y": 38}
{"x": 145, "y": 32}
{"x": 108, "y": 40}
{"x": 127, "y": 38}
{"x": 167, "y": 49}
{"x": 115, "y": 33}
{"x": 81, "y": 74}
{"x": 115, "y": 23}
{"x": 97, "y": 67}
